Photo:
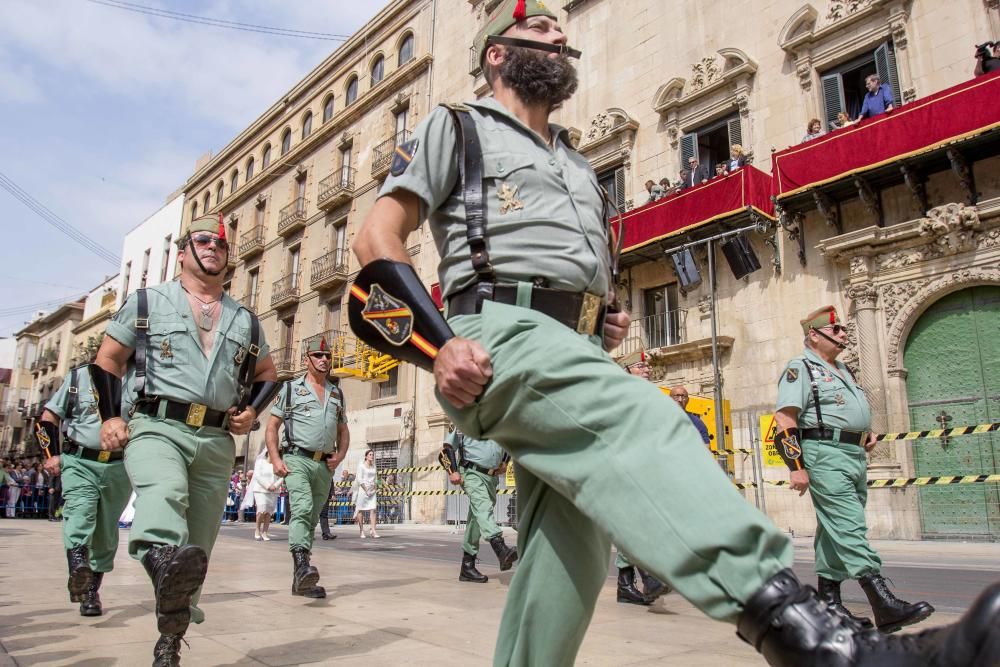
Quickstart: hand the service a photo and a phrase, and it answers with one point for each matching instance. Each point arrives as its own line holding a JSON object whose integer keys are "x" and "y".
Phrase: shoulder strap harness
{"x": 815, "y": 392}
{"x": 287, "y": 415}
{"x": 72, "y": 400}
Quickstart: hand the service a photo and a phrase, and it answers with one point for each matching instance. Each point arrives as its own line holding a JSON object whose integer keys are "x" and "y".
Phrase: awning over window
{"x": 953, "y": 114}
{"x": 743, "y": 191}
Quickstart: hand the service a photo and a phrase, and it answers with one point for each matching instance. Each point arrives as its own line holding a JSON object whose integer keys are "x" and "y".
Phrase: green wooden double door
{"x": 952, "y": 358}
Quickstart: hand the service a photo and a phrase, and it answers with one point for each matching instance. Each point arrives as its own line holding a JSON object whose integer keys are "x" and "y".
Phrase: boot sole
{"x": 182, "y": 577}
{"x": 473, "y": 581}
{"x": 641, "y": 603}
{"x": 925, "y": 611}
{"x": 306, "y": 582}
{"x": 314, "y": 593}
{"x": 91, "y": 612}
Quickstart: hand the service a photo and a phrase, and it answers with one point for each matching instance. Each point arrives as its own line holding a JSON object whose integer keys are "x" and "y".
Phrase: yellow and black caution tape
{"x": 940, "y": 432}
{"x": 901, "y": 482}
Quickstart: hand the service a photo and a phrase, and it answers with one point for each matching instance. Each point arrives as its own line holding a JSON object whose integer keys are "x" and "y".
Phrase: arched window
{"x": 352, "y": 90}
{"x": 266, "y": 157}
{"x": 194, "y": 210}
{"x": 208, "y": 202}
{"x": 328, "y": 108}
{"x": 218, "y": 192}
{"x": 249, "y": 169}
{"x": 286, "y": 140}
{"x": 307, "y": 124}
{"x": 405, "y": 50}
{"x": 378, "y": 70}
{"x": 234, "y": 180}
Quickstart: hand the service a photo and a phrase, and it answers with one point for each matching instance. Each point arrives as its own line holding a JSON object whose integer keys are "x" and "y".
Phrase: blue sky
{"x": 103, "y": 113}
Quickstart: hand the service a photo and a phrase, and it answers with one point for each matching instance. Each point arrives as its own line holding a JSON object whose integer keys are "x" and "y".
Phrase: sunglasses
{"x": 836, "y": 328}
{"x": 319, "y": 355}
{"x": 204, "y": 240}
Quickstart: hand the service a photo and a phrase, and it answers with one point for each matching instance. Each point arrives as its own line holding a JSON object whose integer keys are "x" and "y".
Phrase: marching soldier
{"x": 823, "y": 423}
{"x": 316, "y": 441}
{"x": 476, "y": 466}
{"x": 201, "y": 373}
{"x": 94, "y": 482}
{"x": 635, "y": 364}
{"x": 521, "y": 229}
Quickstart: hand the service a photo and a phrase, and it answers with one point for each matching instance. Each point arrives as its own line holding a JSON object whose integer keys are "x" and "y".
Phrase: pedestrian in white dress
{"x": 365, "y": 494}
{"x": 265, "y": 494}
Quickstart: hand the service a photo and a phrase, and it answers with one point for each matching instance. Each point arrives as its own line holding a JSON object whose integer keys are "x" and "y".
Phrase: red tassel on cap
{"x": 520, "y": 11}
{"x": 222, "y": 228}
{"x": 322, "y": 345}
{"x": 833, "y": 316}
{"x": 642, "y": 355}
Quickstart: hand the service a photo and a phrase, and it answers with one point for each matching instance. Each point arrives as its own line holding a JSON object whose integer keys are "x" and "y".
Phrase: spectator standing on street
{"x": 16, "y": 477}
{"x": 265, "y": 494}
{"x": 681, "y": 398}
{"x": 813, "y": 130}
{"x": 878, "y": 99}
{"x": 7, "y": 490}
{"x": 366, "y": 494}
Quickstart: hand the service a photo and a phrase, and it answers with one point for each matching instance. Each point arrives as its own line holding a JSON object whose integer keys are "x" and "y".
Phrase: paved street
{"x": 390, "y": 601}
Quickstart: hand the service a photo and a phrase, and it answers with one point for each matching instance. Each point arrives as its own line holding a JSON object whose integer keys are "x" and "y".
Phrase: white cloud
{"x": 17, "y": 82}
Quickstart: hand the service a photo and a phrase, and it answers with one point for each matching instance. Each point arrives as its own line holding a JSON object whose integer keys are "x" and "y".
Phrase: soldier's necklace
{"x": 205, "y": 319}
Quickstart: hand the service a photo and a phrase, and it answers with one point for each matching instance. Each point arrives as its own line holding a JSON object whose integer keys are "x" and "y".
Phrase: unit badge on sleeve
{"x": 402, "y": 157}
{"x": 391, "y": 317}
{"x": 792, "y": 374}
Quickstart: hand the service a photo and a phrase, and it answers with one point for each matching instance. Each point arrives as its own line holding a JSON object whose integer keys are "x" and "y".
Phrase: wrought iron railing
{"x": 284, "y": 288}
{"x": 340, "y": 181}
{"x": 284, "y": 360}
{"x": 251, "y": 240}
{"x": 332, "y": 263}
{"x": 291, "y": 214}
{"x": 382, "y": 155}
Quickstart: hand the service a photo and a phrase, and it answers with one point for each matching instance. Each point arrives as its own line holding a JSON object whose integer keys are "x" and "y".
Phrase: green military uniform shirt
{"x": 85, "y": 427}
{"x": 485, "y": 453}
{"x": 314, "y": 422}
{"x": 176, "y": 366}
{"x": 544, "y": 210}
{"x": 842, "y": 402}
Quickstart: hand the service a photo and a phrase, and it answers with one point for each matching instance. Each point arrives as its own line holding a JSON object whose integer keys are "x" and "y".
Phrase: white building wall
{"x": 156, "y": 234}
{"x": 92, "y": 304}
{"x": 7, "y": 348}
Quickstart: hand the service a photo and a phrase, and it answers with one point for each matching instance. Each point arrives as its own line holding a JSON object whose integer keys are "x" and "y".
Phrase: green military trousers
{"x": 838, "y": 486}
{"x": 482, "y": 492}
{"x": 95, "y": 495}
{"x": 622, "y": 561}
{"x": 602, "y": 456}
{"x": 308, "y": 485}
{"x": 181, "y": 480}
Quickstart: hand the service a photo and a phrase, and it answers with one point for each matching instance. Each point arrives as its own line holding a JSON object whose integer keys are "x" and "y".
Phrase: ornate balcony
{"x": 251, "y": 242}
{"x": 382, "y": 155}
{"x": 330, "y": 270}
{"x": 285, "y": 291}
{"x": 336, "y": 188}
{"x": 292, "y": 217}
{"x": 284, "y": 362}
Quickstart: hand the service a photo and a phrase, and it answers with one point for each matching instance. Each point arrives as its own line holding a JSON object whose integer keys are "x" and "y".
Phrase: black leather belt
{"x": 477, "y": 467}
{"x": 581, "y": 311}
{"x": 192, "y": 414}
{"x": 308, "y": 453}
{"x": 849, "y": 437}
{"x": 101, "y": 456}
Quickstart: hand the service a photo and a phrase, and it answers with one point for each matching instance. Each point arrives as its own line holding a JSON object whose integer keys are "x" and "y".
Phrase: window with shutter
{"x": 833, "y": 98}
{"x": 689, "y": 147}
{"x": 619, "y": 196}
{"x": 885, "y": 67}
{"x": 735, "y": 132}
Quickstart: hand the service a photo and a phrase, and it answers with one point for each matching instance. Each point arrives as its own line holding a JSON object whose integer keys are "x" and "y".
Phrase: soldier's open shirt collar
{"x": 492, "y": 105}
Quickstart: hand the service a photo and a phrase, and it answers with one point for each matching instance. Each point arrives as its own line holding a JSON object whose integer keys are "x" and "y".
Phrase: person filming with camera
{"x": 986, "y": 63}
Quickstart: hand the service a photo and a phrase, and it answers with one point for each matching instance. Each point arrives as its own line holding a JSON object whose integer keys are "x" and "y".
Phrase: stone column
{"x": 865, "y": 295}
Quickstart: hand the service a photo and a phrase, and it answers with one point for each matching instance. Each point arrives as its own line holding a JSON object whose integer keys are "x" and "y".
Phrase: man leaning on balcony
{"x": 878, "y": 99}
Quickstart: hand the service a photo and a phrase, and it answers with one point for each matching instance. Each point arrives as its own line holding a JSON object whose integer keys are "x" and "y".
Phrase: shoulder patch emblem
{"x": 390, "y": 316}
{"x": 792, "y": 374}
{"x": 402, "y": 157}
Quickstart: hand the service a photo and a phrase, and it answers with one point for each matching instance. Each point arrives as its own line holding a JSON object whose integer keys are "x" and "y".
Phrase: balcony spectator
{"x": 668, "y": 187}
{"x": 696, "y": 173}
{"x": 737, "y": 158}
{"x": 684, "y": 178}
{"x": 813, "y": 130}
{"x": 720, "y": 169}
{"x": 985, "y": 63}
{"x": 878, "y": 99}
{"x": 843, "y": 120}
{"x": 655, "y": 191}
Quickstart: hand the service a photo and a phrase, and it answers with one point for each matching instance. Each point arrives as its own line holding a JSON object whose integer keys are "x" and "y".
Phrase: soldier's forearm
{"x": 384, "y": 232}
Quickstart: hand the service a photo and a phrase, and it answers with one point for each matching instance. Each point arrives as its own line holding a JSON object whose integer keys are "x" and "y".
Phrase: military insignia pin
{"x": 302, "y": 391}
{"x": 792, "y": 374}
{"x": 165, "y": 350}
{"x": 402, "y": 157}
{"x": 508, "y": 201}
{"x": 391, "y": 317}
{"x": 839, "y": 399}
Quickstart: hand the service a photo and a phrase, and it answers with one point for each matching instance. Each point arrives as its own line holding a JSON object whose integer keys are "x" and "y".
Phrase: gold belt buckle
{"x": 104, "y": 456}
{"x": 318, "y": 456}
{"x": 589, "y": 312}
{"x": 196, "y": 415}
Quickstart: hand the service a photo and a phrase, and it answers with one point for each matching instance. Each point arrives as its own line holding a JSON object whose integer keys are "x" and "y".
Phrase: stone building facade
{"x": 660, "y": 82}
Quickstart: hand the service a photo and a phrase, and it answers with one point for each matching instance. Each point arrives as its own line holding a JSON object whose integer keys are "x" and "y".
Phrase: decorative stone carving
{"x": 990, "y": 239}
{"x": 858, "y": 265}
{"x": 743, "y": 104}
{"x": 804, "y": 70}
{"x": 850, "y": 355}
{"x": 863, "y": 294}
{"x": 704, "y": 72}
{"x": 705, "y": 306}
{"x": 841, "y": 8}
{"x": 903, "y": 303}
{"x": 909, "y": 95}
{"x": 600, "y": 126}
{"x": 897, "y": 259}
{"x": 951, "y": 228}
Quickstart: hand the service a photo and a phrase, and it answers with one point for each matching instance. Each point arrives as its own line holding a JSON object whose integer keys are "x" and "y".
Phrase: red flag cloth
{"x": 952, "y": 114}
{"x": 721, "y": 197}
{"x": 222, "y": 228}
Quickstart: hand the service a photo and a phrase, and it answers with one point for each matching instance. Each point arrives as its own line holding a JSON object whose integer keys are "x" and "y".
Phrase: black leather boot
{"x": 167, "y": 652}
{"x": 506, "y": 555}
{"x": 652, "y": 587}
{"x": 627, "y": 592}
{"x": 829, "y": 591}
{"x": 80, "y": 574}
{"x": 177, "y": 573}
{"x": 890, "y": 612}
{"x": 90, "y": 605}
{"x": 469, "y": 571}
{"x": 305, "y": 576}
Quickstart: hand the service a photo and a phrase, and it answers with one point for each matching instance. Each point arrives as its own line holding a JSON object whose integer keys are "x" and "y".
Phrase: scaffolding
{"x": 352, "y": 358}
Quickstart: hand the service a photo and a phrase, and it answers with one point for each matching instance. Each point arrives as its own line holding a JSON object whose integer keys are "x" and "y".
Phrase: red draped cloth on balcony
{"x": 721, "y": 197}
{"x": 929, "y": 123}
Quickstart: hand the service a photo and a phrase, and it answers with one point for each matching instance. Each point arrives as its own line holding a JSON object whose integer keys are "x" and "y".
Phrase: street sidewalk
{"x": 384, "y": 606}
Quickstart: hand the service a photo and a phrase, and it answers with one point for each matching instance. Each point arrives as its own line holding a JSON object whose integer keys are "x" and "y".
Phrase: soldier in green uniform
{"x": 95, "y": 486}
{"x": 823, "y": 421}
{"x": 519, "y": 222}
{"x": 201, "y": 373}
{"x": 635, "y": 364}
{"x": 316, "y": 440}
{"x": 476, "y": 466}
